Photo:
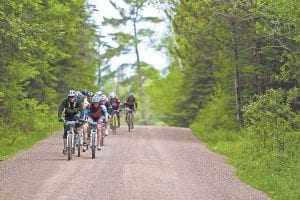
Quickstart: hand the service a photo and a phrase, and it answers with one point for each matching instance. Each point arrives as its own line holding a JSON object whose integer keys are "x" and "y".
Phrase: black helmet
{"x": 84, "y": 92}
{"x": 90, "y": 94}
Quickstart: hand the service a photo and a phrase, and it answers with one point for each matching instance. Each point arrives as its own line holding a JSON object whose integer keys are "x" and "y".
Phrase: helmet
{"x": 98, "y": 93}
{"x": 112, "y": 95}
{"x": 71, "y": 93}
{"x": 84, "y": 92}
{"x": 96, "y": 99}
{"x": 131, "y": 94}
{"x": 90, "y": 94}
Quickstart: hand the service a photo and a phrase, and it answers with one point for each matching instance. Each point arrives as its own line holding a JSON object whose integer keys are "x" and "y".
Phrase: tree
{"x": 131, "y": 15}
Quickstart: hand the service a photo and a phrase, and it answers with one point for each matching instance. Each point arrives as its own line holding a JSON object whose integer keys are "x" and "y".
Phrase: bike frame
{"x": 70, "y": 138}
{"x": 93, "y": 138}
{"x": 79, "y": 139}
{"x": 114, "y": 121}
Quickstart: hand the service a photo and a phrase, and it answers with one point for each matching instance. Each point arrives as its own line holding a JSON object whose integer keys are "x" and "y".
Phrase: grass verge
{"x": 275, "y": 173}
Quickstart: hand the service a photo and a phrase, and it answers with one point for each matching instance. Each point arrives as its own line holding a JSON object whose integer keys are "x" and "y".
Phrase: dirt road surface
{"x": 158, "y": 163}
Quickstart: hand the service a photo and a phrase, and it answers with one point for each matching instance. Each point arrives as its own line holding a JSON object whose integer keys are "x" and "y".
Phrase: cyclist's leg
{"x": 132, "y": 121}
{"x": 65, "y": 139}
{"x": 85, "y": 132}
{"x": 126, "y": 114}
{"x": 99, "y": 127}
{"x": 118, "y": 117}
{"x": 105, "y": 125}
{"x": 111, "y": 120}
{"x": 132, "y": 115}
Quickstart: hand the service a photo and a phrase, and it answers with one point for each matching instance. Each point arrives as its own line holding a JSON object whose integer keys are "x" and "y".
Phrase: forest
{"x": 233, "y": 75}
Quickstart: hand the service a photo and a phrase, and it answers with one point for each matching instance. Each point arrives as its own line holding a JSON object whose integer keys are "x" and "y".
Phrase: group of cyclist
{"x": 92, "y": 107}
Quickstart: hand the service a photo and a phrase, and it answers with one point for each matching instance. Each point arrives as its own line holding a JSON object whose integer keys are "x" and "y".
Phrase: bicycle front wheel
{"x": 69, "y": 146}
{"x": 93, "y": 144}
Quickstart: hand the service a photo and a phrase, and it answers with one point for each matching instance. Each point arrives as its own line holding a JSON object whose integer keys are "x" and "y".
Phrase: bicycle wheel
{"x": 69, "y": 145}
{"x": 93, "y": 144}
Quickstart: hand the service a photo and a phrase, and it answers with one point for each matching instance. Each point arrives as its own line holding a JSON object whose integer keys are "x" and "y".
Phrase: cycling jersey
{"x": 71, "y": 109}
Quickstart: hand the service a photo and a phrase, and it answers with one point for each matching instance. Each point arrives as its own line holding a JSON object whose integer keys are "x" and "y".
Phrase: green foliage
{"x": 47, "y": 47}
{"x": 270, "y": 118}
{"x": 275, "y": 173}
{"x": 216, "y": 115}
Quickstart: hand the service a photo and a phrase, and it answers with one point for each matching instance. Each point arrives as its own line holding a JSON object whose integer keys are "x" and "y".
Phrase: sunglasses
{"x": 71, "y": 97}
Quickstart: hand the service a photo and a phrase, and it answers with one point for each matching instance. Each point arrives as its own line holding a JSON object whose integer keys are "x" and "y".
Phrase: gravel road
{"x": 158, "y": 163}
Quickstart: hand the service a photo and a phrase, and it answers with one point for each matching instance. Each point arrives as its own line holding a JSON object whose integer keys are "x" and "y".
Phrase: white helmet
{"x": 72, "y": 93}
{"x": 131, "y": 94}
{"x": 96, "y": 99}
{"x": 98, "y": 93}
{"x": 112, "y": 95}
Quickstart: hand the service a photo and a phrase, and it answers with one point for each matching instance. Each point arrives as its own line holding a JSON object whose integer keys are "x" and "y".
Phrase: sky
{"x": 157, "y": 59}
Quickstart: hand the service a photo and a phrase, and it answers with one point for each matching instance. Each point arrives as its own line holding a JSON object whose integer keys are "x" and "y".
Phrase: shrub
{"x": 269, "y": 117}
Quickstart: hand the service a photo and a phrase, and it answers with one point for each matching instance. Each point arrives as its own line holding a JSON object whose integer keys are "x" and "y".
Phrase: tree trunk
{"x": 139, "y": 75}
{"x": 236, "y": 75}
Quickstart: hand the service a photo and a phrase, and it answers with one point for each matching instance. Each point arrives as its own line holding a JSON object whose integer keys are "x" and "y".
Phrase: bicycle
{"x": 113, "y": 122}
{"x": 129, "y": 119}
{"x": 74, "y": 139}
{"x": 93, "y": 138}
{"x": 70, "y": 138}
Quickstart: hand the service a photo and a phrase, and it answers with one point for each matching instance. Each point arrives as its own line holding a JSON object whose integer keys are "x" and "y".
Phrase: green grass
{"x": 12, "y": 140}
{"x": 275, "y": 173}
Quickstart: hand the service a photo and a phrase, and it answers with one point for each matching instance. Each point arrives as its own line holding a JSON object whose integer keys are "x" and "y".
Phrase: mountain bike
{"x": 93, "y": 138}
{"x": 113, "y": 121}
{"x": 70, "y": 138}
{"x": 129, "y": 119}
{"x": 74, "y": 139}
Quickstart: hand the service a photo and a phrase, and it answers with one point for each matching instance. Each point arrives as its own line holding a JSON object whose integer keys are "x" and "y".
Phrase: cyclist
{"x": 97, "y": 113}
{"x": 115, "y": 104}
{"x": 104, "y": 101}
{"x": 72, "y": 110}
{"x": 85, "y": 103}
{"x": 131, "y": 103}
{"x": 86, "y": 112}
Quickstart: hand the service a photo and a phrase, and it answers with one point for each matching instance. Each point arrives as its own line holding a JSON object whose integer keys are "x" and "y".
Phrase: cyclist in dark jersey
{"x": 130, "y": 103}
{"x": 115, "y": 104}
{"x": 73, "y": 111}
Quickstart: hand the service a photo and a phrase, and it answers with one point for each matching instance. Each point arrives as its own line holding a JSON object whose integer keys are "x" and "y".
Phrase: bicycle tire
{"x": 93, "y": 145}
{"x": 69, "y": 146}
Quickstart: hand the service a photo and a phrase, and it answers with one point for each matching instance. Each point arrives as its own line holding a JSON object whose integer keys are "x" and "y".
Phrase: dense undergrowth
{"x": 266, "y": 152}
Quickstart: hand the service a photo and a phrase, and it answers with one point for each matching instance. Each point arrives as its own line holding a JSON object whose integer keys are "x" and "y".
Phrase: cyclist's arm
{"x": 136, "y": 105}
{"x": 105, "y": 113}
{"x": 81, "y": 110}
{"x": 61, "y": 109}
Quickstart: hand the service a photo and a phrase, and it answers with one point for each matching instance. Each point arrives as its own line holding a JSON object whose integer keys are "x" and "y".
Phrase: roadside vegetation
{"x": 234, "y": 80}
{"x": 47, "y": 47}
